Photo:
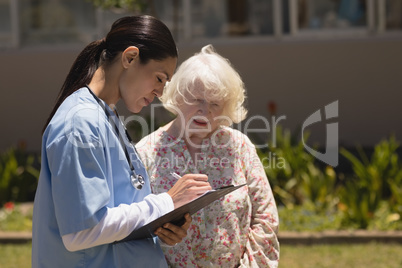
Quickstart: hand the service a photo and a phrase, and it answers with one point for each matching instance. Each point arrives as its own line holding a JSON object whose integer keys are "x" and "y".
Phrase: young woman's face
{"x": 201, "y": 116}
{"x": 141, "y": 83}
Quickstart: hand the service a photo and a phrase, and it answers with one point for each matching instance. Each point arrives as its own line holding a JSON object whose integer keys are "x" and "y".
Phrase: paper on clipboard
{"x": 177, "y": 216}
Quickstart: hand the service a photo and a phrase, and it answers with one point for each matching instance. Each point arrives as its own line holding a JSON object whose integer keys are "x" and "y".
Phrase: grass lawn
{"x": 358, "y": 255}
{"x": 15, "y": 255}
{"x": 319, "y": 256}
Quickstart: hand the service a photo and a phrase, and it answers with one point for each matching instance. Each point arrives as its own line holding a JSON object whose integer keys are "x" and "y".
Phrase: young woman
{"x": 93, "y": 189}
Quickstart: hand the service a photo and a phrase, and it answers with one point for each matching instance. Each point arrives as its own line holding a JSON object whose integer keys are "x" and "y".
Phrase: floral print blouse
{"x": 239, "y": 230}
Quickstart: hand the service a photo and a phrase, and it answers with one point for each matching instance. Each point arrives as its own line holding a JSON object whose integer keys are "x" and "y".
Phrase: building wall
{"x": 364, "y": 75}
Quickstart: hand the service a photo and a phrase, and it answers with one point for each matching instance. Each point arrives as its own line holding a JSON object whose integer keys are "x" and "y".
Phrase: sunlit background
{"x": 295, "y": 57}
{"x": 299, "y": 55}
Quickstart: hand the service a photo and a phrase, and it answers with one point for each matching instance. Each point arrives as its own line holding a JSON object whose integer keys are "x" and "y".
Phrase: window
{"x": 8, "y": 24}
{"x": 56, "y": 21}
{"x": 340, "y": 17}
{"x": 319, "y": 18}
{"x": 228, "y": 18}
{"x": 331, "y": 14}
{"x": 49, "y": 22}
{"x": 172, "y": 14}
{"x": 393, "y": 15}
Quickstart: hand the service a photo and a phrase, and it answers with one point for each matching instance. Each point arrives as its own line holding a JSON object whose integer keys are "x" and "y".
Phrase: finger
{"x": 187, "y": 184}
{"x": 168, "y": 236}
{"x": 166, "y": 239}
{"x": 175, "y": 230}
{"x": 198, "y": 190}
{"x": 196, "y": 177}
{"x": 196, "y": 184}
{"x": 201, "y": 177}
{"x": 187, "y": 223}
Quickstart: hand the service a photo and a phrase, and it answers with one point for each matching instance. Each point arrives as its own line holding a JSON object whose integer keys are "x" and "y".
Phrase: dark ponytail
{"x": 150, "y": 35}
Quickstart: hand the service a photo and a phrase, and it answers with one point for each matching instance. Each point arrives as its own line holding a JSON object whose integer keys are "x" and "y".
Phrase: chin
{"x": 135, "y": 110}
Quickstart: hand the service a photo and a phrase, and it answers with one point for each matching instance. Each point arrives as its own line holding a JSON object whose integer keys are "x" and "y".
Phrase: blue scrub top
{"x": 84, "y": 170}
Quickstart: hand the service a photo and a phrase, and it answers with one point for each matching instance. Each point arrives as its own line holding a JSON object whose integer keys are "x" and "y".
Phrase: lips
{"x": 147, "y": 102}
{"x": 200, "y": 123}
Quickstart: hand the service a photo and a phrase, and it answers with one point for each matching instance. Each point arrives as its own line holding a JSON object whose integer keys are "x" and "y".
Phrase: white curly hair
{"x": 219, "y": 79}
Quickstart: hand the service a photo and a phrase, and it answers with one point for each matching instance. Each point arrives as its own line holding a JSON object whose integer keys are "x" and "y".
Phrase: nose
{"x": 158, "y": 92}
{"x": 203, "y": 108}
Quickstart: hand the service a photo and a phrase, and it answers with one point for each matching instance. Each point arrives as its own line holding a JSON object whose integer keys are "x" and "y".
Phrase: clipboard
{"x": 177, "y": 216}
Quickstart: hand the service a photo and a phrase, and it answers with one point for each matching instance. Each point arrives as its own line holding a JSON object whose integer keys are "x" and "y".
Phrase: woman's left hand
{"x": 172, "y": 234}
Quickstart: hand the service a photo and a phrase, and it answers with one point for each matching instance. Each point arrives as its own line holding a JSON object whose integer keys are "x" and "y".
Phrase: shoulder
{"x": 79, "y": 115}
{"x": 236, "y": 138}
{"x": 149, "y": 142}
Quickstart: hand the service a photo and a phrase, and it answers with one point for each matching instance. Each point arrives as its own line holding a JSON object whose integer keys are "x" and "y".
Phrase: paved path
{"x": 285, "y": 238}
{"x": 338, "y": 237}
{"x": 15, "y": 237}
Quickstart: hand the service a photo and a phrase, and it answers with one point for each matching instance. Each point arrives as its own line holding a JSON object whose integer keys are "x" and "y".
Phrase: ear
{"x": 129, "y": 55}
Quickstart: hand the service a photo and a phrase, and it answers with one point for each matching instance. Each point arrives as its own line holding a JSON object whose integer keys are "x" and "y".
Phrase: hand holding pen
{"x": 175, "y": 175}
{"x": 188, "y": 187}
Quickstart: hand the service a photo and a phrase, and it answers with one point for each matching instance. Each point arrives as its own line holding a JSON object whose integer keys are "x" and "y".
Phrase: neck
{"x": 104, "y": 86}
{"x": 176, "y": 129}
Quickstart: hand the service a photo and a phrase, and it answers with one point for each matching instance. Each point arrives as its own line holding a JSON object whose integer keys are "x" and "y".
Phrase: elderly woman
{"x": 207, "y": 95}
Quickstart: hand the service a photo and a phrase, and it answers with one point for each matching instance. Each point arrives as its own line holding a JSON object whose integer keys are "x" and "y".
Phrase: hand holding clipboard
{"x": 177, "y": 216}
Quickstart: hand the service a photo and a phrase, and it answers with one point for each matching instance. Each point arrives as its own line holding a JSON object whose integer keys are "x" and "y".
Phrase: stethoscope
{"x": 136, "y": 180}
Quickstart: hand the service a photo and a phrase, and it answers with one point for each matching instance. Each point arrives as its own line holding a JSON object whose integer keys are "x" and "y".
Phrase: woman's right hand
{"x": 188, "y": 188}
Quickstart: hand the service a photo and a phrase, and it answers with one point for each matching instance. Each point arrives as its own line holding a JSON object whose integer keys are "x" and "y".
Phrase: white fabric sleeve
{"x": 119, "y": 222}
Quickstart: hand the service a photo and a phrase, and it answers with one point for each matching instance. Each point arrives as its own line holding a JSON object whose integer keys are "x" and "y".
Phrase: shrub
{"x": 374, "y": 180}
{"x": 300, "y": 179}
{"x": 18, "y": 176}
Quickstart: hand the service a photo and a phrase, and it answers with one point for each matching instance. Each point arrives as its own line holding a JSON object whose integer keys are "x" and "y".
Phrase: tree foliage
{"x": 130, "y": 5}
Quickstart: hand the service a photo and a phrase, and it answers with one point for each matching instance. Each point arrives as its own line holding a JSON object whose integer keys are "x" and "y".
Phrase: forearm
{"x": 262, "y": 247}
{"x": 119, "y": 222}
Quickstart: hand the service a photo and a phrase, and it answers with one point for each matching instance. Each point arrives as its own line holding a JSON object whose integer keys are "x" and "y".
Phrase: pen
{"x": 175, "y": 175}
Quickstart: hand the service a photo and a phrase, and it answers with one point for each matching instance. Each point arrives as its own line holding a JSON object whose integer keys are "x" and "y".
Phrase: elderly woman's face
{"x": 202, "y": 115}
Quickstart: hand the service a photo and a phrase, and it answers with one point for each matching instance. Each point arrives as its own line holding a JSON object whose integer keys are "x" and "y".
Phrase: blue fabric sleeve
{"x": 80, "y": 190}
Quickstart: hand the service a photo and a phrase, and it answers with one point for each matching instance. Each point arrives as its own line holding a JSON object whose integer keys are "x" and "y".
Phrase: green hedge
{"x": 18, "y": 175}
{"x": 309, "y": 196}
